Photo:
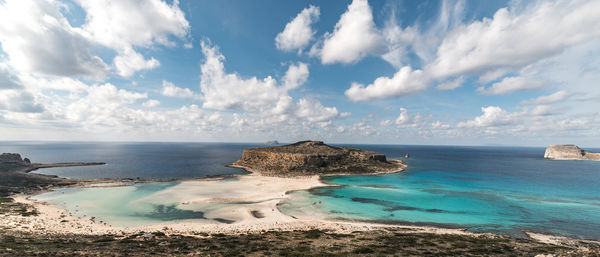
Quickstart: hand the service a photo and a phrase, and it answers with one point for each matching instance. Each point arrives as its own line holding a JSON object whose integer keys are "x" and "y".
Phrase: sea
{"x": 497, "y": 189}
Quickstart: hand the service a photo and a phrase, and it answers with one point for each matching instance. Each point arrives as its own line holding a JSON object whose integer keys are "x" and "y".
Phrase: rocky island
{"x": 569, "y": 152}
{"x": 307, "y": 158}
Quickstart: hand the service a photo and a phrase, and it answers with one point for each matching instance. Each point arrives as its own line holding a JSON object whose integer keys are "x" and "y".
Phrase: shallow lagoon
{"x": 496, "y": 189}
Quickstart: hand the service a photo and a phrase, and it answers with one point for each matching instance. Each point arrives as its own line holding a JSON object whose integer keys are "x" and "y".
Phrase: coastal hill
{"x": 569, "y": 152}
{"x": 315, "y": 158}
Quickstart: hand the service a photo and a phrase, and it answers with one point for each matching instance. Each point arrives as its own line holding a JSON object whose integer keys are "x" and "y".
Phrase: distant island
{"x": 272, "y": 143}
{"x": 569, "y": 152}
{"x": 306, "y": 158}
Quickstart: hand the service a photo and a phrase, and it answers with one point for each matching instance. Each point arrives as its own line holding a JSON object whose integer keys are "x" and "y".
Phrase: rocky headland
{"x": 308, "y": 158}
{"x": 569, "y": 152}
{"x": 15, "y": 176}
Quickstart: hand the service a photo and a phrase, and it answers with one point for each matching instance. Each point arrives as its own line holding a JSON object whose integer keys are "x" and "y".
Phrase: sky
{"x": 517, "y": 72}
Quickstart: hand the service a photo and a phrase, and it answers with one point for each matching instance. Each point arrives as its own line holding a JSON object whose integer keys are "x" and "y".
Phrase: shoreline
{"x": 55, "y": 220}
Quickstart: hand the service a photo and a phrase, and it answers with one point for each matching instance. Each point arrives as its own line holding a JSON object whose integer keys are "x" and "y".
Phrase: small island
{"x": 569, "y": 152}
{"x": 307, "y": 158}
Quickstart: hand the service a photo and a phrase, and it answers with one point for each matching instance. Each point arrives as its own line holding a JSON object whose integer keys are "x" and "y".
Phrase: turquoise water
{"x": 487, "y": 189}
{"x": 503, "y": 190}
{"x": 121, "y": 205}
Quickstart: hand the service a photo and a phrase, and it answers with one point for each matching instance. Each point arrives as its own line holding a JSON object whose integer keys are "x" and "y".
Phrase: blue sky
{"x": 400, "y": 72}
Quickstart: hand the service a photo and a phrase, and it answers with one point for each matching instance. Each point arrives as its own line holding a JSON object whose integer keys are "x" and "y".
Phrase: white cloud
{"x": 296, "y": 75}
{"x": 509, "y": 85}
{"x": 169, "y": 89}
{"x": 120, "y": 24}
{"x": 345, "y": 114}
{"x": 229, "y": 91}
{"x": 544, "y": 110}
{"x": 439, "y": 125}
{"x": 125, "y": 24}
{"x": 516, "y": 37}
{"x": 264, "y": 100}
{"x": 130, "y": 62}
{"x": 315, "y": 112}
{"x": 103, "y": 105}
{"x": 298, "y": 33}
{"x": 452, "y": 84}
{"x": 151, "y": 103}
{"x": 548, "y": 99}
{"x": 405, "y": 82}
{"x": 354, "y": 37}
{"x": 493, "y": 116}
{"x": 38, "y": 39}
{"x": 403, "y": 118}
{"x": 18, "y": 100}
{"x": 385, "y": 123}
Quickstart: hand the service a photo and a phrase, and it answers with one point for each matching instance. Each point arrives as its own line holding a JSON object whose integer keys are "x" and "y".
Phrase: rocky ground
{"x": 315, "y": 158}
{"x": 278, "y": 243}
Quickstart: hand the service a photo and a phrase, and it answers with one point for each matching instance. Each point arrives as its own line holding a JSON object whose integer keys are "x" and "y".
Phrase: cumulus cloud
{"x": 314, "y": 111}
{"x": 267, "y": 99}
{"x": 223, "y": 90}
{"x": 548, "y": 99}
{"x": 516, "y": 37}
{"x": 403, "y": 118}
{"x": 130, "y": 62}
{"x": 439, "y": 125}
{"x": 509, "y": 85}
{"x": 169, "y": 89}
{"x": 298, "y": 33}
{"x": 354, "y": 37}
{"x": 493, "y": 116}
{"x": 513, "y": 39}
{"x": 38, "y": 39}
{"x": 405, "y": 82}
{"x": 120, "y": 24}
{"x": 151, "y": 103}
{"x": 125, "y": 24}
{"x": 296, "y": 75}
{"x": 19, "y": 101}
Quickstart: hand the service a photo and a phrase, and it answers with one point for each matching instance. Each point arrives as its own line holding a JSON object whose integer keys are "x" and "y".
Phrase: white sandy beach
{"x": 259, "y": 194}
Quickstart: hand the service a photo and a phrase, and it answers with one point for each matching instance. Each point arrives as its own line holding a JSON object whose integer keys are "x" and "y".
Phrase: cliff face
{"x": 10, "y": 161}
{"x": 569, "y": 152}
{"x": 315, "y": 157}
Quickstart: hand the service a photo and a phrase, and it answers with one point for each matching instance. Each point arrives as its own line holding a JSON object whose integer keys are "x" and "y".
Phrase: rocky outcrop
{"x": 272, "y": 143}
{"x": 9, "y": 161}
{"x": 569, "y": 152}
{"x": 13, "y": 162}
{"x": 315, "y": 158}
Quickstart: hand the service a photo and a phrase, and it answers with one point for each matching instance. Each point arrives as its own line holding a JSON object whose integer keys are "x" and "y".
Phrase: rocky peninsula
{"x": 569, "y": 152}
{"x": 307, "y": 158}
{"x": 15, "y": 176}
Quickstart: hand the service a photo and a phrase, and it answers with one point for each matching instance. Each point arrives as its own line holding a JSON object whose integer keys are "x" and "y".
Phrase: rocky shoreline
{"x": 570, "y": 152}
{"x": 306, "y": 158}
{"x": 24, "y": 219}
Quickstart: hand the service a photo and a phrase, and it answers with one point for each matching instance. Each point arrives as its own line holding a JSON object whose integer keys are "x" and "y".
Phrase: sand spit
{"x": 259, "y": 212}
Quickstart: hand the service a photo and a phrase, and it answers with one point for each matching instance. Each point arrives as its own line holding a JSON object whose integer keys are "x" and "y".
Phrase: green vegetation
{"x": 274, "y": 243}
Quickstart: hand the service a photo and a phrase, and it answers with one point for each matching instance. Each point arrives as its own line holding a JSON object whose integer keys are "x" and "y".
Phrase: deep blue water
{"x": 504, "y": 190}
{"x": 133, "y": 160}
